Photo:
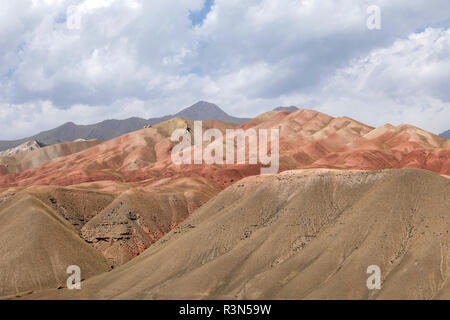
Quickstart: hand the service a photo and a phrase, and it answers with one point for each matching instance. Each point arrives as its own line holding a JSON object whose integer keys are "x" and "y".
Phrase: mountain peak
{"x": 291, "y": 108}
{"x": 204, "y": 110}
{"x": 68, "y": 124}
{"x": 446, "y": 134}
{"x": 204, "y": 106}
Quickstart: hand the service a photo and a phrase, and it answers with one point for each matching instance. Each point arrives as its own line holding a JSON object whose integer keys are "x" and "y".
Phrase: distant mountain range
{"x": 110, "y": 129}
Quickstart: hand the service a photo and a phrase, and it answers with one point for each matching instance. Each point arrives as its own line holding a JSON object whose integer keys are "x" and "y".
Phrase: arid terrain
{"x": 307, "y": 234}
{"x": 347, "y": 196}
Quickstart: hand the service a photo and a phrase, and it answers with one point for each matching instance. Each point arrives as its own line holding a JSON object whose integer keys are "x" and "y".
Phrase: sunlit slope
{"x": 37, "y": 246}
{"x": 299, "y": 235}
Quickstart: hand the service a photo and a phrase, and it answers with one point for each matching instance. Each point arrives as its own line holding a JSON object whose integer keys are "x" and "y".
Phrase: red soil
{"x": 307, "y": 139}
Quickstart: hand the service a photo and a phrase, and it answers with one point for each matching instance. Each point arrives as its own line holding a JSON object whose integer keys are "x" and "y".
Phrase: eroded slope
{"x": 299, "y": 235}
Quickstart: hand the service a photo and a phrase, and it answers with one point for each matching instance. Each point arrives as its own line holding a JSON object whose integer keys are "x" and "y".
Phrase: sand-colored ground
{"x": 298, "y": 235}
{"x": 37, "y": 246}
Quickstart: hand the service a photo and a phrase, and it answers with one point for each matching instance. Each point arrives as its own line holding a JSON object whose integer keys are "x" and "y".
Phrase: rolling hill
{"x": 38, "y": 245}
{"x": 307, "y": 234}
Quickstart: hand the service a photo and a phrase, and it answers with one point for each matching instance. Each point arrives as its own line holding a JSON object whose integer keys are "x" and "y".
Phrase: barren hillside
{"x": 299, "y": 235}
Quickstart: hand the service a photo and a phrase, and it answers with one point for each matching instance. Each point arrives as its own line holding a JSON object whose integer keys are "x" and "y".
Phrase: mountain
{"x": 446, "y": 134}
{"x": 33, "y": 158}
{"x": 201, "y": 110}
{"x": 156, "y": 196}
{"x": 306, "y": 136}
{"x": 404, "y": 146}
{"x": 124, "y": 196}
{"x": 70, "y": 131}
{"x": 110, "y": 129}
{"x": 308, "y": 234}
{"x": 24, "y": 147}
{"x": 292, "y": 108}
{"x": 208, "y": 111}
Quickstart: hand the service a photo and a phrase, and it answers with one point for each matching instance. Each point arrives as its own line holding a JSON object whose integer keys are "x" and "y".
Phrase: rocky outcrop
{"x": 24, "y": 147}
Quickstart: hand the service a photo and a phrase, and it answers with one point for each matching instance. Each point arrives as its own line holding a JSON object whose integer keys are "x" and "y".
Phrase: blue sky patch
{"x": 197, "y": 17}
{"x": 61, "y": 18}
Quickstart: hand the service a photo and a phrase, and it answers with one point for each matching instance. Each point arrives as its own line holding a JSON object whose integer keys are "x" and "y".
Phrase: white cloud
{"x": 403, "y": 83}
{"x": 144, "y": 58}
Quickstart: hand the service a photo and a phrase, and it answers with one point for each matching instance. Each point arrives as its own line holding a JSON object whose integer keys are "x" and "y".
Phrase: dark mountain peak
{"x": 201, "y": 107}
{"x": 291, "y": 108}
{"x": 205, "y": 103}
{"x": 446, "y": 134}
{"x": 204, "y": 110}
{"x": 68, "y": 124}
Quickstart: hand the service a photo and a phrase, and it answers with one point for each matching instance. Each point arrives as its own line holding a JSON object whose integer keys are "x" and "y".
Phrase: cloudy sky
{"x": 86, "y": 61}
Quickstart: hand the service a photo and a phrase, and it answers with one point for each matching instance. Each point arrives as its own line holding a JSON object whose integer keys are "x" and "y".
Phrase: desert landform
{"x": 139, "y": 226}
